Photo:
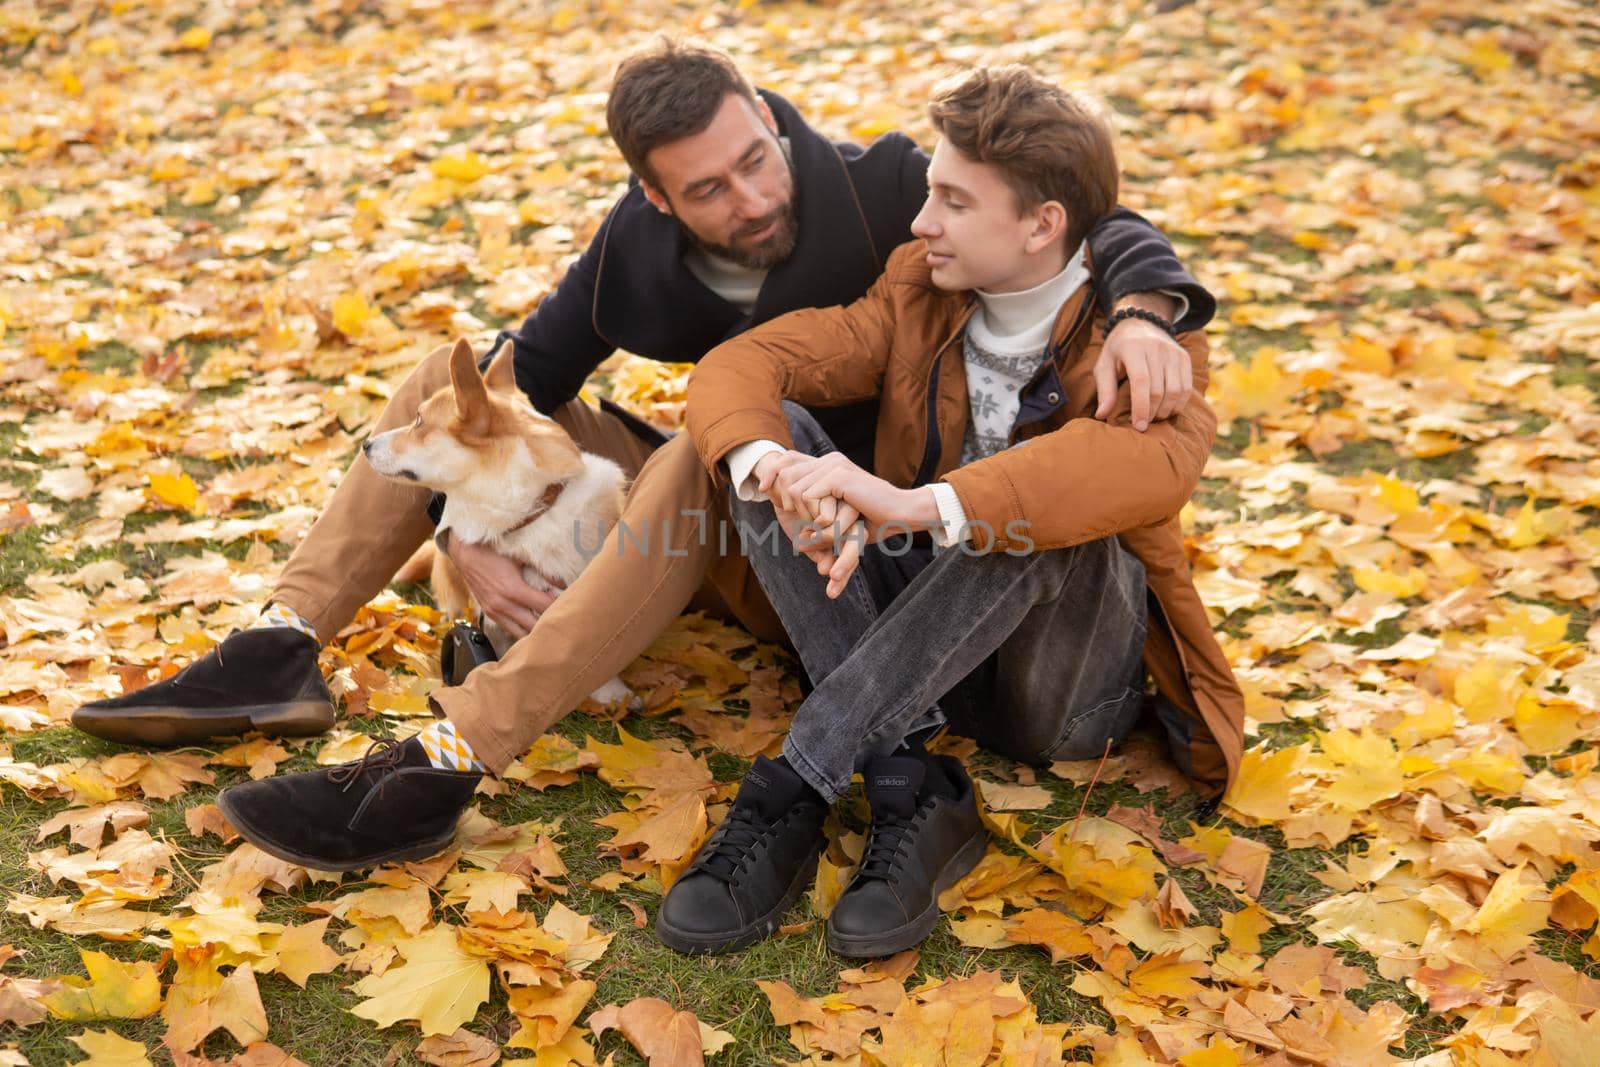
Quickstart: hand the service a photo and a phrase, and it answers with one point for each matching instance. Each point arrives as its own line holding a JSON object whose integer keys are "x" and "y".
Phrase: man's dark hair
{"x": 667, "y": 93}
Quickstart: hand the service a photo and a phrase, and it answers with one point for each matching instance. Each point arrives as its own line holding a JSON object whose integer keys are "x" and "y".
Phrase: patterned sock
{"x": 280, "y": 615}
{"x": 447, "y": 749}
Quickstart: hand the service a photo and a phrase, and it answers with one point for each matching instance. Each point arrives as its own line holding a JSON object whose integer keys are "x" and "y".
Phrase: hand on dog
{"x": 497, "y": 585}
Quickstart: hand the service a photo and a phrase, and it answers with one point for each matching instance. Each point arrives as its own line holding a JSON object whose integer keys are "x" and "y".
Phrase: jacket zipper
{"x": 932, "y": 447}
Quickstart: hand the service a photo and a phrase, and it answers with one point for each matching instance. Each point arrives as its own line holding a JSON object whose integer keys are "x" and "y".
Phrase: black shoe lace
{"x": 883, "y": 845}
{"x": 383, "y": 754}
{"x": 731, "y": 845}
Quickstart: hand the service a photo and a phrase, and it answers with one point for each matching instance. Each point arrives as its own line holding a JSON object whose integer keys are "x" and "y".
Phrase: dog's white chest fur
{"x": 553, "y": 544}
{"x": 481, "y": 443}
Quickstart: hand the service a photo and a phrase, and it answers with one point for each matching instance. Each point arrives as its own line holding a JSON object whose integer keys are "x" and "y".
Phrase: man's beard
{"x": 767, "y": 254}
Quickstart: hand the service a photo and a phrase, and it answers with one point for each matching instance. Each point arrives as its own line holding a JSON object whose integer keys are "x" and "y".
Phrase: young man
{"x": 1062, "y": 576}
{"x": 742, "y": 212}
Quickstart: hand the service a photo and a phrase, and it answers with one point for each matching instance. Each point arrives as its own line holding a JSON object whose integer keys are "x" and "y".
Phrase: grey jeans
{"x": 1036, "y": 656}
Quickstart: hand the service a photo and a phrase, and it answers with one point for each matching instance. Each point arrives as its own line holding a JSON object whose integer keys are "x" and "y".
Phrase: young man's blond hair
{"x": 1048, "y": 143}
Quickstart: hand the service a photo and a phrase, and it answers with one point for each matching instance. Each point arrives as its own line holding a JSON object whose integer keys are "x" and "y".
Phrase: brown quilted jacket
{"x": 1074, "y": 479}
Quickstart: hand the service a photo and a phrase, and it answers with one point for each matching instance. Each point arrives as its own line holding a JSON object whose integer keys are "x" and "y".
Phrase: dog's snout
{"x": 366, "y": 447}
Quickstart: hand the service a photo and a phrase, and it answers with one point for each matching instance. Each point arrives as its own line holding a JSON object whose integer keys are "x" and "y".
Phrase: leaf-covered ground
{"x": 228, "y": 229}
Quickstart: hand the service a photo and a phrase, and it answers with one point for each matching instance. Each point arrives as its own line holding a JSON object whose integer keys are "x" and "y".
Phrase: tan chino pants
{"x": 671, "y": 558}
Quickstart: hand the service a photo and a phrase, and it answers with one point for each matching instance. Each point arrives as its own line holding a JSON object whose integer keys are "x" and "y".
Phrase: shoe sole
{"x": 187, "y": 726}
{"x": 912, "y": 933}
{"x": 420, "y": 851}
{"x": 760, "y": 928}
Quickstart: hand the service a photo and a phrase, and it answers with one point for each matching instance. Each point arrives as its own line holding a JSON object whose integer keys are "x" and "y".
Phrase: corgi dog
{"x": 513, "y": 479}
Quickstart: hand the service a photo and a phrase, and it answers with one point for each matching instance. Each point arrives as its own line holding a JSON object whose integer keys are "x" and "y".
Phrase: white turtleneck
{"x": 738, "y": 285}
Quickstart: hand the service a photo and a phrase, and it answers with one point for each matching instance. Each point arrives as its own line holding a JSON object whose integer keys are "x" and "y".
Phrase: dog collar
{"x": 546, "y": 502}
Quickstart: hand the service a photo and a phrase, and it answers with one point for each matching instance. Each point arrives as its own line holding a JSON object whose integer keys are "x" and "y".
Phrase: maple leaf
{"x": 1268, "y": 783}
{"x": 20, "y": 999}
{"x": 1243, "y": 928}
{"x": 551, "y": 761}
{"x": 439, "y": 985}
{"x": 464, "y": 167}
{"x": 981, "y": 931}
{"x": 110, "y": 919}
{"x": 1106, "y": 862}
{"x": 1564, "y": 1036}
{"x": 177, "y": 490}
{"x": 1515, "y": 907}
{"x": 258, "y": 1054}
{"x": 228, "y": 925}
{"x": 108, "y": 1049}
{"x": 788, "y": 1007}
{"x": 958, "y": 1016}
{"x": 1172, "y": 906}
{"x": 485, "y": 890}
{"x": 202, "y": 819}
{"x": 1364, "y": 769}
{"x": 583, "y": 945}
{"x": 1004, "y": 796}
{"x": 1219, "y": 1053}
{"x": 88, "y": 825}
{"x": 547, "y": 1013}
{"x": 1064, "y": 936}
{"x": 391, "y": 912}
{"x": 200, "y": 1001}
{"x": 112, "y": 990}
{"x": 1167, "y": 977}
{"x": 1385, "y": 923}
{"x": 664, "y": 1036}
{"x": 828, "y": 885}
{"x": 1436, "y": 322}
{"x": 667, "y": 834}
{"x": 299, "y": 952}
{"x": 1248, "y": 392}
{"x": 169, "y": 774}
{"x": 261, "y": 755}
{"x": 460, "y": 1049}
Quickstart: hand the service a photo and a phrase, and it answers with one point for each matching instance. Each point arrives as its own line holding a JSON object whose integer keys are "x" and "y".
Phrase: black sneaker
{"x": 264, "y": 679}
{"x": 389, "y": 806}
{"x": 758, "y": 861}
{"x": 923, "y": 841}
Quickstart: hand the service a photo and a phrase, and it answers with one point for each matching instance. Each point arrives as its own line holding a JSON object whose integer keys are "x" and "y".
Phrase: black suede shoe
{"x": 265, "y": 679}
{"x": 754, "y": 866}
{"x": 390, "y": 805}
{"x": 923, "y": 840}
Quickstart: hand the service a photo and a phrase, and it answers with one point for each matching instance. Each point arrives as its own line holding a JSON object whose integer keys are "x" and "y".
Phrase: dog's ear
{"x": 472, "y": 398}
{"x": 501, "y": 376}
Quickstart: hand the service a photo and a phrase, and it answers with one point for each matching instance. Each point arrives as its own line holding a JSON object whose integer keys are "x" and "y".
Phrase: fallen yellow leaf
{"x": 112, "y": 990}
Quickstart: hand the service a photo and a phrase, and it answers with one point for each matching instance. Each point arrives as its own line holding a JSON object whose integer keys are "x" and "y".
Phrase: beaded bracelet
{"x": 1140, "y": 313}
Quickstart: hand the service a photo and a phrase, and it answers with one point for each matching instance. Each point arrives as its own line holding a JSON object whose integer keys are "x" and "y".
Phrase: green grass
{"x": 721, "y": 989}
